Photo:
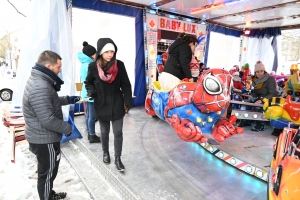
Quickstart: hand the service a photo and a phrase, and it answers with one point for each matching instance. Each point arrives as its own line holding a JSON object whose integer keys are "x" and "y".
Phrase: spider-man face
{"x": 213, "y": 91}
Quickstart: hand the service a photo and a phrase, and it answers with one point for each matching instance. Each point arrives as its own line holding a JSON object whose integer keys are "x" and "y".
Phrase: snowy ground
{"x": 18, "y": 180}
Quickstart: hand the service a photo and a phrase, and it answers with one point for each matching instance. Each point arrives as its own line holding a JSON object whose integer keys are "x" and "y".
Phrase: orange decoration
{"x": 189, "y": 112}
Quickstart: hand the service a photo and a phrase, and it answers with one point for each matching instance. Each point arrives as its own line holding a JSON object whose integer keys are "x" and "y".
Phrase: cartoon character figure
{"x": 282, "y": 111}
{"x": 195, "y": 108}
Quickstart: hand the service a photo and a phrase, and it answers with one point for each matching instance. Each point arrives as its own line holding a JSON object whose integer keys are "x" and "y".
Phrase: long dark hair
{"x": 187, "y": 38}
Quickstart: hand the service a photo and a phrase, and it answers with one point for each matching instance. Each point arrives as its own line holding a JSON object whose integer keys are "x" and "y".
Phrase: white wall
{"x": 90, "y": 25}
{"x": 223, "y": 52}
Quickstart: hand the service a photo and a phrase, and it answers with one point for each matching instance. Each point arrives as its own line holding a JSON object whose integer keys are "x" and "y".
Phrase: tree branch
{"x": 15, "y": 8}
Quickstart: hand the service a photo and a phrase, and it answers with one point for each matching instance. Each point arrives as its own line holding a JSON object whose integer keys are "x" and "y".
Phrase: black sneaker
{"x": 56, "y": 196}
{"x": 94, "y": 139}
{"x": 258, "y": 128}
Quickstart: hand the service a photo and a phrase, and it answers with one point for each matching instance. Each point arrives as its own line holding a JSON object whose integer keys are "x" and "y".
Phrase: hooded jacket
{"x": 85, "y": 61}
{"x": 109, "y": 98}
{"x": 180, "y": 56}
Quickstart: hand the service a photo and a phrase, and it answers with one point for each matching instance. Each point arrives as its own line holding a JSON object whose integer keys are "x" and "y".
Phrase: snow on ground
{"x": 18, "y": 180}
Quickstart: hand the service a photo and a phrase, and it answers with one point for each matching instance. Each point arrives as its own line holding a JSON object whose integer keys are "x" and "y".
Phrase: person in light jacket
{"x": 87, "y": 56}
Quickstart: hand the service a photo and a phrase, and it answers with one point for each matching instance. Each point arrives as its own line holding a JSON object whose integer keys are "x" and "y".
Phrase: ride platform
{"x": 159, "y": 165}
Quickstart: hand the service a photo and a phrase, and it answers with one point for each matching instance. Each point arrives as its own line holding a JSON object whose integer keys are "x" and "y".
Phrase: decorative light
{"x": 189, "y": 112}
{"x": 247, "y": 32}
{"x": 211, "y": 149}
{"x": 207, "y": 8}
{"x": 237, "y": 114}
{"x": 219, "y": 112}
{"x": 259, "y": 173}
{"x": 199, "y": 120}
{"x": 249, "y": 169}
{"x": 221, "y": 154}
{"x": 246, "y": 115}
{"x": 255, "y": 116}
{"x": 156, "y": 101}
{"x": 188, "y": 20}
{"x": 152, "y": 12}
{"x": 172, "y": 16}
{"x": 233, "y": 161}
{"x": 210, "y": 119}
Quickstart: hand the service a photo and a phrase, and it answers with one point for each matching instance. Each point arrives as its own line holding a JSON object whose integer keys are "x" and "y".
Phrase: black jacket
{"x": 178, "y": 63}
{"x": 109, "y": 98}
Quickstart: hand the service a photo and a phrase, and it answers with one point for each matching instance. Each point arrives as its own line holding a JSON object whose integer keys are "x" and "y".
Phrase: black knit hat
{"x": 88, "y": 50}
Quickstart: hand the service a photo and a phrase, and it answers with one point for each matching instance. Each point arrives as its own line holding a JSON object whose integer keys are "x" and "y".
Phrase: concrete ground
{"x": 159, "y": 165}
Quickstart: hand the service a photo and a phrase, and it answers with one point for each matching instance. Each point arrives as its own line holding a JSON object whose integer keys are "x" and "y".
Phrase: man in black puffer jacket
{"x": 44, "y": 123}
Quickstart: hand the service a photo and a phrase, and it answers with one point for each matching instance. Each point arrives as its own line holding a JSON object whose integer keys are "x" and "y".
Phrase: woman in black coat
{"x": 108, "y": 84}
{"x": 178, "y": 63}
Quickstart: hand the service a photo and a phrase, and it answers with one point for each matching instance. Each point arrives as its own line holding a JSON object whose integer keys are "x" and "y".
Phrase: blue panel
{"x": 159, "y": 102}
{"x": 204, "y": 124}
{"x": 280, "y": 123}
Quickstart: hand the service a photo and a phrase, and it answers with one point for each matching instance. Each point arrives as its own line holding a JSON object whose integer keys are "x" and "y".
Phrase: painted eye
{"x": 212, "y": 85}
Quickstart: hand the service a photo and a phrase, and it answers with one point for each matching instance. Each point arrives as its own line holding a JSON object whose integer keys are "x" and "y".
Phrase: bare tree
{"x": 291, "y": 45}
{"x": 7, "y": 48}
{"x": 16, "y": 8}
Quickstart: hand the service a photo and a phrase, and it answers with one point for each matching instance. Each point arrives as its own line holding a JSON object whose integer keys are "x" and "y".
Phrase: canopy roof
{"x": 237, "y": 14}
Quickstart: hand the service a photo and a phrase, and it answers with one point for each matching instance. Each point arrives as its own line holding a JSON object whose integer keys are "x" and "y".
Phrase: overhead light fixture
{"x": 172, "y": 16}
{"x": 206, "y": 8}
{"x": 247, "y": 32}
{"x": 232, "y": 2}
{"x": 152, "y": 12}
{"x": 188, "y": 20}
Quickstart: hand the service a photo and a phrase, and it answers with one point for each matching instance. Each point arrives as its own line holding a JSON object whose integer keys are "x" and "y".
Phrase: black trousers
{"x": 48, "y": 157}
{"x": 117, "y": 126}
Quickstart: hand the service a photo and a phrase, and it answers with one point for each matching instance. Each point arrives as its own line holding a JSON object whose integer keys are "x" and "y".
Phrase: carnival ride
{"x": 194, "y": 109}
{"x": 284, "y": 172}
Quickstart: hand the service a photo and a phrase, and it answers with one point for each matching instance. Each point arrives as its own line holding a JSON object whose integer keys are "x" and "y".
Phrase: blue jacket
{"x": 85, "y": 61}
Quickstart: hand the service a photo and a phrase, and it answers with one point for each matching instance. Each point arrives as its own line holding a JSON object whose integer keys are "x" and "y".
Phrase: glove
{"x": 127, "y": 108}
{"x": 90, "y": 96}
{"x": 73, "y": 99}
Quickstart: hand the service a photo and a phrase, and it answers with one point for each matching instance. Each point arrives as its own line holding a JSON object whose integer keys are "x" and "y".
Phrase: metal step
{"x": 98, "y": 179}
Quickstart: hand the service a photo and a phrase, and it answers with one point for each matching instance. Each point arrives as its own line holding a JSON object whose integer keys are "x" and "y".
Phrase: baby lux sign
{"x": 177, "y": 26}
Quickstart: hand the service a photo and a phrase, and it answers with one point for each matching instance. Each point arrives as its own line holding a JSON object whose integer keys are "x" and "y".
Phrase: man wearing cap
{"x": 87, "y": 56}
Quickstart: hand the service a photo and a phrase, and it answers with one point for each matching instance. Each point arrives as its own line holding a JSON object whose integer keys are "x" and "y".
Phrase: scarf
{"x": 109, "y": 75}
{"x": 57, "y": 81}
{"x": 259, "y": 82}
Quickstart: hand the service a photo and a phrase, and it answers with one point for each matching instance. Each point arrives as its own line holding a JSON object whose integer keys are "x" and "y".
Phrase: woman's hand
{"x": 258, "y": 101}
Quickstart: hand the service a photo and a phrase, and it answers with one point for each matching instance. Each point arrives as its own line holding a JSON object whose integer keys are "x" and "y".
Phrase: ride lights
{"x": 221, "y": 155}
{"x": 232, "y": 161}
{"x": 255, "y": 116}
{"x": 249, "y": 169}
{"x": 259, "y": 174}
{"x": 236, "y": 114}
{"x": 211, "y": 149}
{"x": 247, "y": 32}
{"x": 199, "y": 120}
{"x": 246, "y": 115}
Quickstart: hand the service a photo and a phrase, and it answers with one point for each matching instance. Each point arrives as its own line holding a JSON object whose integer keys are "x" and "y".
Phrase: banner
{"x": 177, "y": 25}
{"x": 201, "y": 41}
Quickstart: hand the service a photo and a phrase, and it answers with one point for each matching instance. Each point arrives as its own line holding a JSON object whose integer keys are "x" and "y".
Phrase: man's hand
{"x": 73, "y": 99}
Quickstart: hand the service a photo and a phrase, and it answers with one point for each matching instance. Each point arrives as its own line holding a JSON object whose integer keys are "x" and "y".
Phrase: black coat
{"x": 108, "y": 98}
{"x": 178, "y": 63}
